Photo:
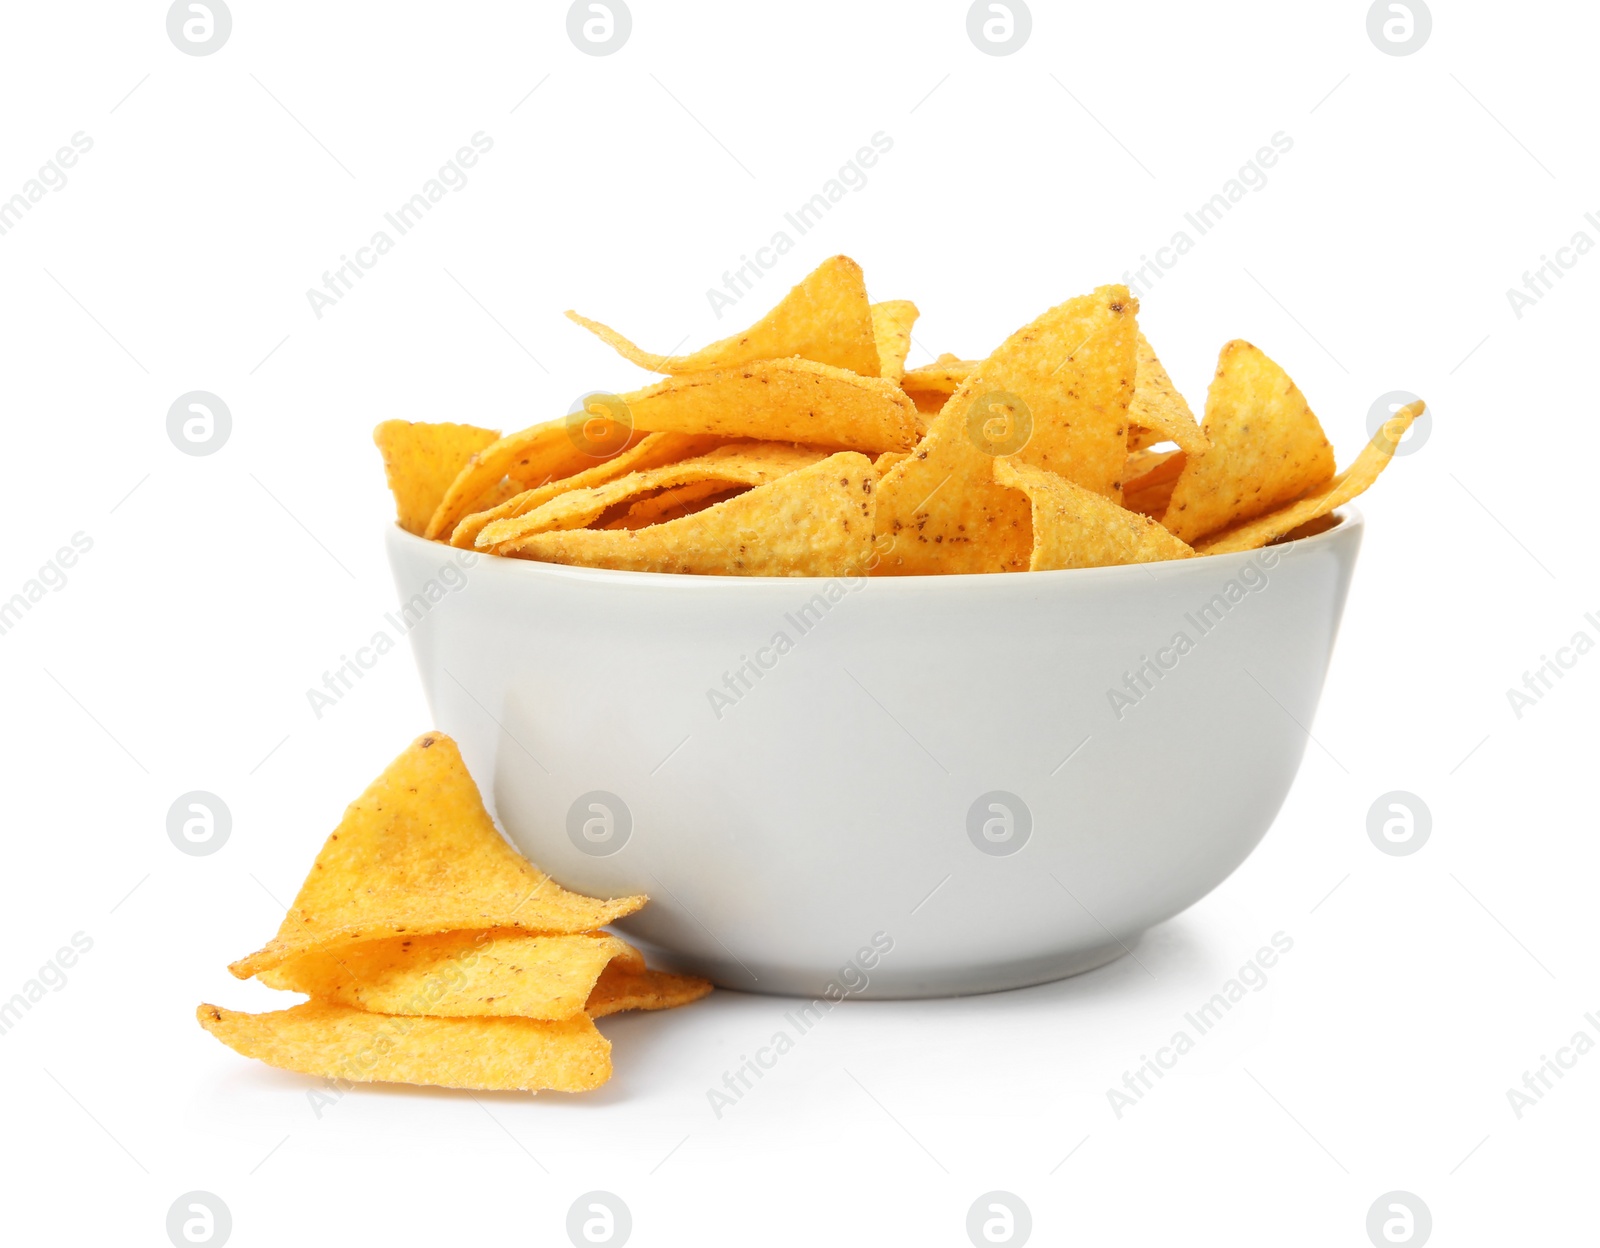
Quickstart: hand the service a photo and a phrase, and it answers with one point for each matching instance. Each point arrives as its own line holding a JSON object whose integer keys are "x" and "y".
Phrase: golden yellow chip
{"x": 815, "y": 522}
{"x": 928, "y": 406}
{"x": 739, "y": 463}
{"x": 1347, "y": 485}
{"x": 781, "y": 401}
{"x": 417, "y": 854}
{"x": 1146, "y": 467}
{"x": 891, "y": 328}
{"x": 1158, "y": 409}
{"x": 1148, "y": 479}
{"x": 483, "y": 1054}
{"x": 679, "y": 501}
{"x": 1267, "y": 448}
{"x": 1077, "y": 528}
{"x": 421, "y": 460}
{"x": 527, "y": 459}
{"x": 651, "y": 451}
{"x": 939, "y": 378}
{"x": 460, "y": 974}
{"x": 1054, "y": 395}
{"x": 826, "y": 318}
{"x": 1079, "y": 393}
{"x": 625, "y": 987}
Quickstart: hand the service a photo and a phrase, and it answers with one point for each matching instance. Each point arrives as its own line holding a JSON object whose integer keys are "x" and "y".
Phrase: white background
{"x": 219, "y": 588}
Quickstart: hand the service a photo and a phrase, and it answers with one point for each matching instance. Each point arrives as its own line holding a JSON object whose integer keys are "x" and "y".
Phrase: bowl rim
{"x": 1349, "y": 525}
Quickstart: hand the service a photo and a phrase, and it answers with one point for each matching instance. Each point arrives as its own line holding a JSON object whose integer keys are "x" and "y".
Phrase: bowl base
{"x": 885, "y": 982}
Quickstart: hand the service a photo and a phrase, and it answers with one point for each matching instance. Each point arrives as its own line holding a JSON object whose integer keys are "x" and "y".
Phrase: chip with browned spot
{"x": 626, "y": 987}
{"x": 736, "y": 464}
{"x": 1158, "y": 412}
{"x": 1077, "y": 528}
{"x": 937, "y": 379}
{"x": 417, "y": 854}
{"x": 1267, "y": 447}
{"x": 421, "y": 460}
{"x": 891, "y": 329}
{"x": 814, "y": 522}
{"x": 651, "y": 451}
{"x": 527, "y": 459}
{"x": 458, "y": 974}
{"x": 1353, "y": 481}
{"x": 781, "y": 400}
{"x": 1054, "y": 395}
{"x": 1148, "y": 479}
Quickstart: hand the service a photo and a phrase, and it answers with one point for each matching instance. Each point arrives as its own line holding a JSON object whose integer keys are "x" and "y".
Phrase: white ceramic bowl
{"x": 930, "y": 786}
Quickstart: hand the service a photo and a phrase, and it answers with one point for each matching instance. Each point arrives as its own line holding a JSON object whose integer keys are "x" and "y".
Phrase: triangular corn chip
{"x": 417, "y": 854}
{"x": 483, "y": 1054}
{"x": 1072, "y": 370}
{"x": 1347, "y": 485}
{"x": 815, "y": 522}
{"x": 1145, "y": 467}
{"x": 1157, "y": 407}
{"x": 1267, "y": 448}
{"x": 930, "y": 385}
{"x": 1077, "y": 528}
{"x": 891, "y": 328}
{"x": 939, "y": 378}
{"x": 1148, "y": 479}
{"x": 626, "y": 987}
{"x": 739, "y": 463}
{"x": 651, "y": 451}
{"x": 826, "y": 318}
{"x": 421, "y": 460}
{"x": 781, "y": 401}
{"x": 521, "y": 461}
{"x": 945, "y": 373}
{"x": 673, "y": 504}
{"x": 460, "y": 974}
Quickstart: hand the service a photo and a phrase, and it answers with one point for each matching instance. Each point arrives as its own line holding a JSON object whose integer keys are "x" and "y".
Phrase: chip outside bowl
{"x": 901, "y": 787}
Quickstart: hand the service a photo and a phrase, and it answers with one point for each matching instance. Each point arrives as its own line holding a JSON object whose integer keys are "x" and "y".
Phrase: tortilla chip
{"x": 1143, "y": 468}
{"x": 1309, "y": 529}
{"x": 781, "y": 401}
{"x": 939, "y": 378}
{"x": 891, "y": 329}
{"x": 814, "y": 522}
{"x": 673, "y": 504}
{"x": 460, "y": 974}
{"x": 1071, "y": 372}
{"x": 1267, "y": 448}
{"x": 1148, "y": 479}
{"x": 421, "y": 460}
{"x": 1077, "y": 528}
{"x": 826, "y": 318}
{"x": 626, "y": 987}
{"x": 739, "y": 463}
{"x": 517, "y": 462}
{"x": 417, "y": 854}
{"x": 652, "y": 451}
{"x": 484, "y": 1054}
{"x": 1158, "y": 409}
{"x": 1347, "y": 485}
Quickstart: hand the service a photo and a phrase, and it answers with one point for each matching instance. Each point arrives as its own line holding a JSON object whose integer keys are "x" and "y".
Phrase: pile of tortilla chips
{"x": 434, "y": 954}
{"x": 804, "y": 447}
